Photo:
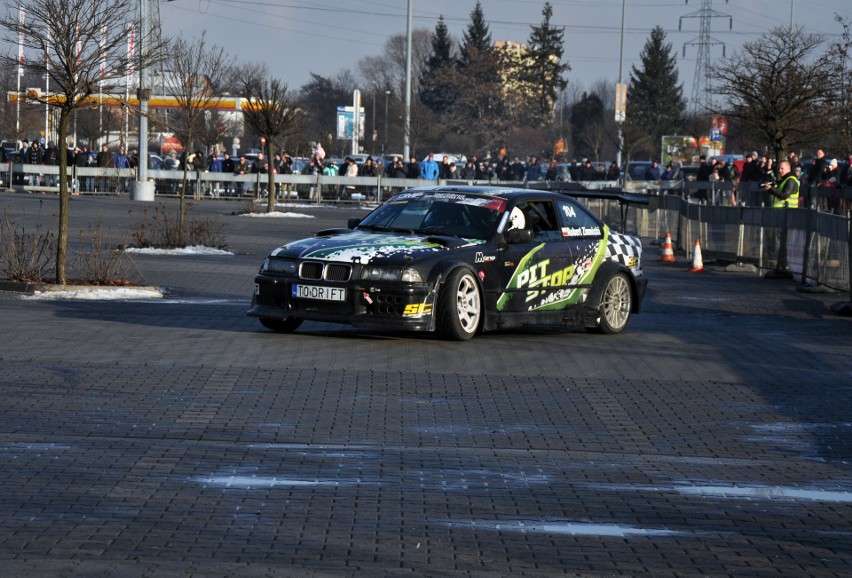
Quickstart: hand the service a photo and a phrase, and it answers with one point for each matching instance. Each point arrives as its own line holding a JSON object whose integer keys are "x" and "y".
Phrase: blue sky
{"x": 297, "y": 37}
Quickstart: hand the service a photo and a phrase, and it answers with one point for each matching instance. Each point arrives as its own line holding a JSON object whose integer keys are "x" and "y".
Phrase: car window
{"x": 447, "y": 214}
{"x": 540, "y": 216}
{"x": 577, "y": 222}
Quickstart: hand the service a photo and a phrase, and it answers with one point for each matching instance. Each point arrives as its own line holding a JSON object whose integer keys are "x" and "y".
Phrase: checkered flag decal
{"x": 623, "y": 248}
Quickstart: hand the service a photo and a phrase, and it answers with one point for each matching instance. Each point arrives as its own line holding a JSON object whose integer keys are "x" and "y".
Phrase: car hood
{"x": 365, "y": 246}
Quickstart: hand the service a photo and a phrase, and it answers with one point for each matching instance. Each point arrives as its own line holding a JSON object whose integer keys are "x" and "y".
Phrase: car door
{"x": 584, "y": 240}
{"x": 534, "y": 274}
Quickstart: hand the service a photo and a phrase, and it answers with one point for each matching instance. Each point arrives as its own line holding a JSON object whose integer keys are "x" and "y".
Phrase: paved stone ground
{"x": 177, "y": 437}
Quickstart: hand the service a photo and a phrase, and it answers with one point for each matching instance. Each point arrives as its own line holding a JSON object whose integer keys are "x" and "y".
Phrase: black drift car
{"x": 457, "y": 260}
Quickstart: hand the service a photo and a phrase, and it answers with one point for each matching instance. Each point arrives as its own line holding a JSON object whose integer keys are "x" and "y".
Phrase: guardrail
{"x": 817, "y": 243}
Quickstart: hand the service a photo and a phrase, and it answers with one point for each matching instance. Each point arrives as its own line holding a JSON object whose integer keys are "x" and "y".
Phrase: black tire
{"x": 459, "y": 306}
{"x": 286, "y": 325}
{"x": 615, "y": 305}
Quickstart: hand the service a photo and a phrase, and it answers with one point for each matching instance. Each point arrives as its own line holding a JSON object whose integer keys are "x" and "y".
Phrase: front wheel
{"x": 615, "y": 305}
{"x": 286, "y": 325}
{"x": 459, "y": 306}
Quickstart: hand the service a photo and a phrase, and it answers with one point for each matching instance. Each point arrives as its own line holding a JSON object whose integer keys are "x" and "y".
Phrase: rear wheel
{"x": 286, "y": 325}
{"x": 459, "y": 306}
{"x": 615, "y": 305}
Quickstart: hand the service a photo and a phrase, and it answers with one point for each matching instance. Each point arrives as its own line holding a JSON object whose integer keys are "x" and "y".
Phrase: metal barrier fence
{"x": 817, "y": 243}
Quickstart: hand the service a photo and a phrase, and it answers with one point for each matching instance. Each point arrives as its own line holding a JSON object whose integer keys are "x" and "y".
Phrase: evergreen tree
{"x": 436, "y": 90}
{"x": 546, "y": 69}
{"x": 476, "y": 38}
{"x": 655, "y": 103}
{"x": 478, "y": 107}
{"x": 587, "y": 122}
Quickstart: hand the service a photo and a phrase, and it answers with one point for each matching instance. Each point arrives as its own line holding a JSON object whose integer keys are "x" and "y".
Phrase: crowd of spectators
{"x": 822, "y": 171}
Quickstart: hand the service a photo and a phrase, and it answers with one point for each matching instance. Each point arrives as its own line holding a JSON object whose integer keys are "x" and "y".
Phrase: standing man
{"x": 413, "y": 171}
{"x": 228, "y": 168}
{"x": 785, "y": 193}
{"x": 535, "y": 172}
{"x": 120, "y": 161}
{"x": 816, "y": 174}
{"x": 241, "y": 168}
{"x": 429, "y": 169}
{"x": 34, "y": 156}
{"x": 104, "y": 161}
{"x": 214, "y": 165}
{"x": 444, "y": 168}
{"x": 51, "y": 158}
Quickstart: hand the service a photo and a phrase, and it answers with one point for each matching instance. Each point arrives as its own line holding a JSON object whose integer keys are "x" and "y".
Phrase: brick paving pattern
{"x": 177, "y": 437}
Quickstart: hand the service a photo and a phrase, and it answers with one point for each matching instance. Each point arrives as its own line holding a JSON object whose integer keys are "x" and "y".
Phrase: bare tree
{"x": 271, "y": 112}
{"x": 774, "y": 88}
{"x": 79, "y": 45}
{"x": 843, "y": 98}
{"x": 387, "y": 73}
{"x": 195, "y": 81}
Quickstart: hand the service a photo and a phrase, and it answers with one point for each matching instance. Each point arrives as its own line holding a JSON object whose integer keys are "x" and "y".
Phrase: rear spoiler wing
{"x": 625, "y": 200}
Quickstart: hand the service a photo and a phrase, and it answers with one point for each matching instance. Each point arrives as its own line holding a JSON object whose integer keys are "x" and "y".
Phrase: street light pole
{"x": 406, "y": 133}
{"x": 619, "y": 115}
{"x": 143, "y": 190}
{"x": 385, "y": 134}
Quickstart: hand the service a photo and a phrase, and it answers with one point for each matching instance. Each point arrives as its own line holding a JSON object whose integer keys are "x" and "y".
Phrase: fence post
{"x": 807, "y": 247}
{"x": 845, "y": 308}
{"x": 741, "y": 237}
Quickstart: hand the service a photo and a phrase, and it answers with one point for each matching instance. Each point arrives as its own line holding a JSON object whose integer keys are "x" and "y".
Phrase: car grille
{"x": 315, "y": 271}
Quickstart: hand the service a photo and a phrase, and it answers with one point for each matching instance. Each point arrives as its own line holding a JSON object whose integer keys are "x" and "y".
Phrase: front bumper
{"x": 402, "y": 306}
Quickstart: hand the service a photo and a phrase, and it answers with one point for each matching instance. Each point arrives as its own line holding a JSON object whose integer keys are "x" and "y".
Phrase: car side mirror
{"x": 353, "y": 222}
{"x": 514, "y": 236}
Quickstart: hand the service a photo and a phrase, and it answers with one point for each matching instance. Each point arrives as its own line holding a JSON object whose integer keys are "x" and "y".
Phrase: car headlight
{"x": 271, "y": 265}
{"x": 378, "y": 273}
{"x": 411, "y": 276}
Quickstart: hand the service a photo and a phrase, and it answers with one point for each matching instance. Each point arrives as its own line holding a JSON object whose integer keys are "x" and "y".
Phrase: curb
{"x": 30, "y": 287}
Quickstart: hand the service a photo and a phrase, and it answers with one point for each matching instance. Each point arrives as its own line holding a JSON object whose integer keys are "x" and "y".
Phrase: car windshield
{"x": 438, "y": 213}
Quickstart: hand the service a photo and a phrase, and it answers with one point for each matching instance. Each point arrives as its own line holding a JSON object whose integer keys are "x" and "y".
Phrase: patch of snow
{"x": 565, "y": 528}
{"x": 96, "y": 293}
{"x": 279, "y": 214}
{"x": 193, "y": 250}
{"x": 251, "y": 482}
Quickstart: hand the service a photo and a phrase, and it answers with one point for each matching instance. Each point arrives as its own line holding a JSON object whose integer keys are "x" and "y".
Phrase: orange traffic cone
{"x": 668, "y": 253}
{"x": 697, "y": 262}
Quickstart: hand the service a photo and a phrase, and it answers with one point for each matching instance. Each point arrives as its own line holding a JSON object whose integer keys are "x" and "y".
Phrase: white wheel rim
{"x": 467, "y": 303}
{"x": 616, "y": 302}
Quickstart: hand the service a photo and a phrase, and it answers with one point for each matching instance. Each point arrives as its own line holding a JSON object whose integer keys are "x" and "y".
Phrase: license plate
{"x": 319, "y": 293}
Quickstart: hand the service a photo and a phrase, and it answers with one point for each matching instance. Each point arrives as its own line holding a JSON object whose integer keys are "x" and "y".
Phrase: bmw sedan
{"x": 457, "y": 261}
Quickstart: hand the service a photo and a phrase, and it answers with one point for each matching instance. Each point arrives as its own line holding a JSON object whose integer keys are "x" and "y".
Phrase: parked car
{"x": 10, "y": 148}
{"x": 457, "y": 260}
{"x": 459, "y": 159}
{"x": 635, "y": 170}
{"x": 155, "y": 161}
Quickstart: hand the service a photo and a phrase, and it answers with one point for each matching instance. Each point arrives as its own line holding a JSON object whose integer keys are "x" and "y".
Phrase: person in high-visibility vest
{"x": 785, "y": 192}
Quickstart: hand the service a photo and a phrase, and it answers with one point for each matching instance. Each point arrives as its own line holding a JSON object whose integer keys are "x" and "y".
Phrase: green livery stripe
{"x": 513, "y": 282}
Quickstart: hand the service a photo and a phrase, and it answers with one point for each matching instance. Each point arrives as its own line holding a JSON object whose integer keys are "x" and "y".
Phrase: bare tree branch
{"x": 198, "y": 73}
{"x": 81, "y": 46}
